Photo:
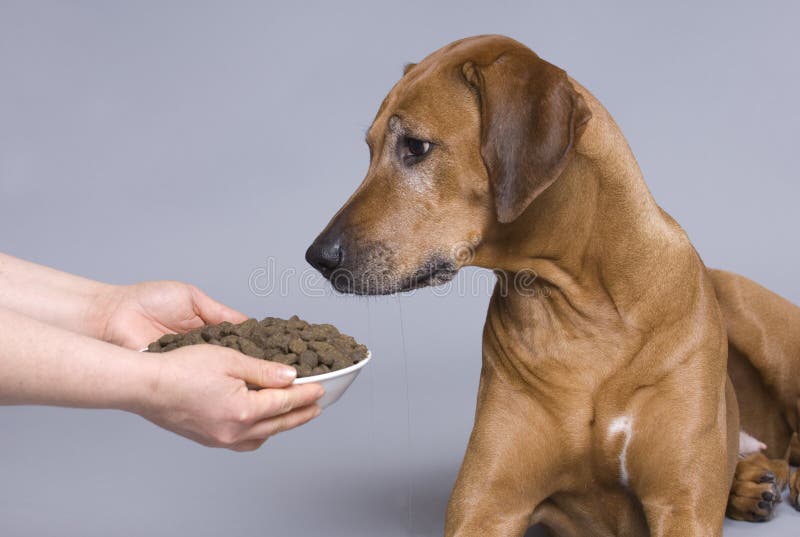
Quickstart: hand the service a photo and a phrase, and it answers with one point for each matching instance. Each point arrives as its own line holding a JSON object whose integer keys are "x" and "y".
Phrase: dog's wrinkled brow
{"x": 394, "y": 124}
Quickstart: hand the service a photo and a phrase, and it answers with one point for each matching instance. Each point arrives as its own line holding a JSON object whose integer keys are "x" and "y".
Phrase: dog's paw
{"x": 794, "y": 490}
{"x": 757, "y": 487}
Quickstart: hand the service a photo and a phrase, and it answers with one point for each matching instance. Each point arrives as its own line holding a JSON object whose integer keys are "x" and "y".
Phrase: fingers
{"x": 262, "y": 430}
{"x": 271, "y": 403}
{"x": 213, "y": 312}
{"x": 262, "y": 373}
{"x": 276, "y": 415}
{"x": 272, "y": 426}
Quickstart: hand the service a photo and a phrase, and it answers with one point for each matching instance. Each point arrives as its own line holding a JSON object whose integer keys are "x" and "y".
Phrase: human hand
{"x": 134, "y": 315}
{"x": 201, "y": 392}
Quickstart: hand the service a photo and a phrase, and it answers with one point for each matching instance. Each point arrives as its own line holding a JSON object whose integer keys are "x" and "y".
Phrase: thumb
{"x": 213, "y": 312}
{"x": 263, "y": 373}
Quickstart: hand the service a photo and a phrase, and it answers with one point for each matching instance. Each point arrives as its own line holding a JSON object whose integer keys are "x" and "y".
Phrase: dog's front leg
{"x": 508, "y": 468}
{"x": 679, "y": 471}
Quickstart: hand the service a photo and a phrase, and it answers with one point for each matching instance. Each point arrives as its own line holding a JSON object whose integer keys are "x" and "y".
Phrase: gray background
{"x": 194, "y": 141}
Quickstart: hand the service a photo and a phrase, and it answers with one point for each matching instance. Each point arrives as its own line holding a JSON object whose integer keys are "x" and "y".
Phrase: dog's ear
{"x": 531, "y": 118}
{"x": 407, "y": 67}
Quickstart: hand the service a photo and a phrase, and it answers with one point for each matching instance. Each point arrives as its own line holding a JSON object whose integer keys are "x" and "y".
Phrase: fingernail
{"x": 320, "y": 391}
{"x": 287, "y": 373}
{"x": 318, "y": 411}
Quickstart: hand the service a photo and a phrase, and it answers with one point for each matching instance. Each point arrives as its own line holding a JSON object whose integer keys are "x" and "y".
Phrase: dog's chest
{"x": 615, "y": 439}
{"x": 607, "y": 436}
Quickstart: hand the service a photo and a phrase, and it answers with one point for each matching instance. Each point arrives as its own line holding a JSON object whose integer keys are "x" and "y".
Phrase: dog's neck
{"x": 596, "y": 235}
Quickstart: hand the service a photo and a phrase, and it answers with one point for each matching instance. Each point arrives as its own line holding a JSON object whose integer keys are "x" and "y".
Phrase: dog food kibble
{"x": 312, "y": 349}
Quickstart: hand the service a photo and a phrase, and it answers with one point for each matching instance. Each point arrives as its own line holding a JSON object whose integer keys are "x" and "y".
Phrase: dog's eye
{"x": 414, "y": 148}
{"x": 417, "y": 147}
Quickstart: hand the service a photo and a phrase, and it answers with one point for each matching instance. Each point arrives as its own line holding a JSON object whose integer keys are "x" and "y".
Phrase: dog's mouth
{"x": 436, "y": 271}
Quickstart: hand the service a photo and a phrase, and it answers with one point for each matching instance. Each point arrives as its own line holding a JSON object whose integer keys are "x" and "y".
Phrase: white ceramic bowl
{"x": 335, "y": 382}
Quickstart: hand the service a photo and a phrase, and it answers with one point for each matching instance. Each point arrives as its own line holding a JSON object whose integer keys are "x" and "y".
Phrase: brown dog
{"x": 604, "y": 407}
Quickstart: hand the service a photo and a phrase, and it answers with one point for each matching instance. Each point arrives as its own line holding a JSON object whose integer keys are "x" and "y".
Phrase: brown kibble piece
{"x": 302, "y": 370}
{"x": 272, "y": 329}
{"x": 326, "y": 357}
{"x": 212, "y": 332}
{"x": 305, "y": 335}
{"x": 296, "y": 324}
{"x": 192, "y": 338}
{"x": 279, "y": 341}
{"x": 166, "y": 339}
{"x": 250, "y": 348}
{"x": 340, "y": 364}
{"x": 329, "y": 329}
{"x": 350, "y": 341}
{"x": 356, "y": 356}
{"x": 225, "y": 328}
{"x": 320, "y": 370}
{"x": 288, "y": 359}
{"x": 246, "y": 328}
{"x": 230, "y": 341}
{"x": 319, "y": 346}
{"x": 309, "y": 358}
{"x": 330, "y": 355}
{"x": 297, "y": 346}
{"x": 269, "y": 352}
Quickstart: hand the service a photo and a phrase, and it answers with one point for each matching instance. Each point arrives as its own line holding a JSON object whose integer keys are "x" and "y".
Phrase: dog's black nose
{"x": 325, "y": 254}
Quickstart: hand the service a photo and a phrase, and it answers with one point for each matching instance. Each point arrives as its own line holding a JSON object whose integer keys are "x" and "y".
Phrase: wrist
{"x": 104, "y": 299}
{"x": 139, "y": 384}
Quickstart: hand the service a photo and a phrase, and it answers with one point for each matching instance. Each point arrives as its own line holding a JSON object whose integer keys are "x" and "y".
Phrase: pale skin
{"x": 69, "y": 341}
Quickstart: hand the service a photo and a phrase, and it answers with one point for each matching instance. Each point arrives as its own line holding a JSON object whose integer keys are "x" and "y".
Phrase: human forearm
{"x": 51, "y": 296}
{"x": 44, "y": 364}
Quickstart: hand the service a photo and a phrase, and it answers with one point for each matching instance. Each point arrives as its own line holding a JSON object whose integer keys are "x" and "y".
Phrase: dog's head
{"x": 463, "y": 144}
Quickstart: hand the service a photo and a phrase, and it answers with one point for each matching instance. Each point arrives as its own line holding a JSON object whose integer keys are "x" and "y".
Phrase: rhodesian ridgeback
{"x": 605, "y": 406}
